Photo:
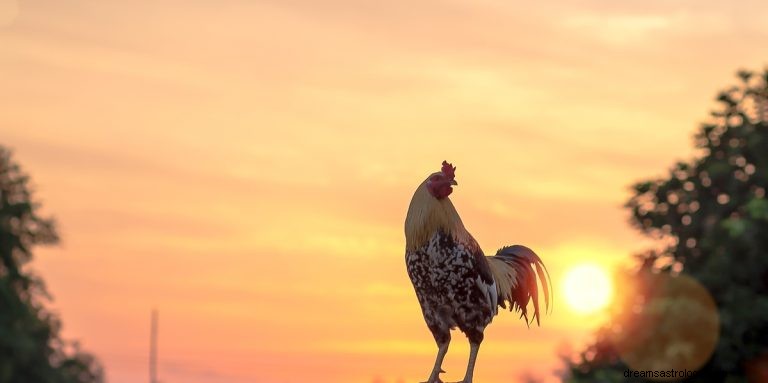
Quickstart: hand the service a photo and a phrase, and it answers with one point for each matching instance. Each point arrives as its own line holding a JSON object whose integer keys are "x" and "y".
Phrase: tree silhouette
{"x": 31, "y": 350}
{"x": 710, "y": 215}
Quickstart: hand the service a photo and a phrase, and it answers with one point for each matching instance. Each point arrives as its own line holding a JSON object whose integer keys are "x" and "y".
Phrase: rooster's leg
{"x": 434, "y": 377}
{"x": 473, "y": 348}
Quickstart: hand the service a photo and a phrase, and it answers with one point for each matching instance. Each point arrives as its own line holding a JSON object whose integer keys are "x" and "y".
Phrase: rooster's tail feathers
{"x": 513, "y": 270}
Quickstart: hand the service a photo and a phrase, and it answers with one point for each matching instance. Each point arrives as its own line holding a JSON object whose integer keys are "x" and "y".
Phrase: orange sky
{"x": 246, "y": 166}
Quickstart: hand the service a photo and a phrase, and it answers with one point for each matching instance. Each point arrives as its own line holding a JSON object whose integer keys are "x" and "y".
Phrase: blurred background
{"x": 245, "y": 168}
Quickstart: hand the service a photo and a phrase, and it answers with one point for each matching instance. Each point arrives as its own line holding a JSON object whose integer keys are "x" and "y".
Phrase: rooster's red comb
{"x": 449, "y": 170}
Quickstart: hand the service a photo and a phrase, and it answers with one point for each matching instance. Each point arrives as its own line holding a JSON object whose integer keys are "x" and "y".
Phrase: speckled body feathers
{"x": 454, "y": 286}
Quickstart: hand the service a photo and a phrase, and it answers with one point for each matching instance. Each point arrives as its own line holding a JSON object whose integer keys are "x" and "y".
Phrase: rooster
{"x": 455, "y": 283}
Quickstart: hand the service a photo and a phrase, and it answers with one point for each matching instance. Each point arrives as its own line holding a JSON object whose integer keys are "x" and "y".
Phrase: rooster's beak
{"x": 454, "y": 183}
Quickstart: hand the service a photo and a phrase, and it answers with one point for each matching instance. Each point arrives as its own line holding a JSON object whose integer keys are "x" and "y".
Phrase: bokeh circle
{"x": 678, "y": 331}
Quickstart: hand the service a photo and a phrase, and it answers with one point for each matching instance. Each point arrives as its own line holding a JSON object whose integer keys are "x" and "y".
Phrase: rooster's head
{"x": 440, "y": 184}
{"x": 431, "y": 209}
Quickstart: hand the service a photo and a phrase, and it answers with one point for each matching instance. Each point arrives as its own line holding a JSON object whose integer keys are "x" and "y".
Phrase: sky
{"x": 245, "y": 166}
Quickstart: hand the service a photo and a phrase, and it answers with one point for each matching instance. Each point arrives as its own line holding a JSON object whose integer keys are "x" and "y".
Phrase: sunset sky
{"x": 246, "y": 166}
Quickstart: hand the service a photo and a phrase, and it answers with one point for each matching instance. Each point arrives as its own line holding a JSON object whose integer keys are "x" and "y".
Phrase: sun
{"x": 587, "y": 288}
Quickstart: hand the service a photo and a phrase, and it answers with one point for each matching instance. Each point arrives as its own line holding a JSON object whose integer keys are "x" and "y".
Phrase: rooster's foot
{"x": 436, "y": 377}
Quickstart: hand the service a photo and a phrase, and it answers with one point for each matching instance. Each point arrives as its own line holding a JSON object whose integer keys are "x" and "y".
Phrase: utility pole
{"x": 153, "y": 348}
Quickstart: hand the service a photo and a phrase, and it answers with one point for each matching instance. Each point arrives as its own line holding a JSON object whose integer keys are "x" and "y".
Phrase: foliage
{"x": 31, "y": 350}
{"x": 711, "y": 216}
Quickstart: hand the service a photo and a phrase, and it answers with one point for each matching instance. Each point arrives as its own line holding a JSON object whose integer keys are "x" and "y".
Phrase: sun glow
{"x": 587, "y": 288}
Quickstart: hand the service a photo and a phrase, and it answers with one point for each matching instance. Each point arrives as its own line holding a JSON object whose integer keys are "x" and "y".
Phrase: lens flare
{"x": 676, "y": 330}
